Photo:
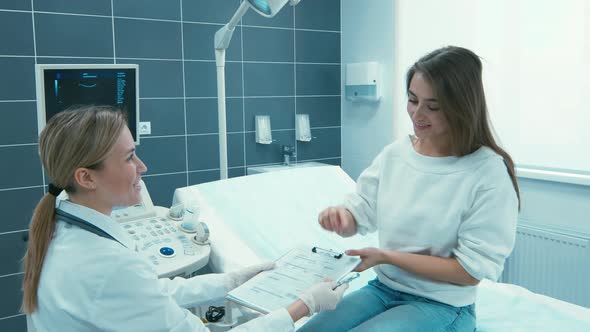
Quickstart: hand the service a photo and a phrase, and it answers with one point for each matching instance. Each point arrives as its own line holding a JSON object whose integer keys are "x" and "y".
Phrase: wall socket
{"x": 145, "y": 128}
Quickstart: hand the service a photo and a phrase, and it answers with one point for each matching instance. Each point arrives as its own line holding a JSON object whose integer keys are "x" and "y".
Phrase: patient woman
{"x": 81, "y": 270}
{"x": 445, "y": 202}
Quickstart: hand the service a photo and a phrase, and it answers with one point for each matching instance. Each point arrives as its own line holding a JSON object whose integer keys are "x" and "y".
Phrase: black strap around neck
{"x": 76, "y": 221}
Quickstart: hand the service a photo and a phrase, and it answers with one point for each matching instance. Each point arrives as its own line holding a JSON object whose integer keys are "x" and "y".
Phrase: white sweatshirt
{"x": 463, "y": 207}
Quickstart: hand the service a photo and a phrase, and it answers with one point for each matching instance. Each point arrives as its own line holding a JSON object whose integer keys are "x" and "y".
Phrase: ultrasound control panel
{"x": 175, "y": 244}
{"x": 169, "y": 245}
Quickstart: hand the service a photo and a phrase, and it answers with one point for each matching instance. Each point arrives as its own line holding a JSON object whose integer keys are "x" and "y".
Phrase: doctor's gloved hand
{"x": 239, "y": 277}
{"x": 338, "y": 219}
{"x": 322, "y": 296}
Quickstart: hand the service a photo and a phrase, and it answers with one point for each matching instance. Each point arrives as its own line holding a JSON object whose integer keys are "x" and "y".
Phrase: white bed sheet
{"x": 260, "y": 217}
{"x": 507, "y": 307}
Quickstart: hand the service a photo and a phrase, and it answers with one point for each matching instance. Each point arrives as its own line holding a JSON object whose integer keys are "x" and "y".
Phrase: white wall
{"x": 482, "y": 26}
{"x": 536, "y": 57}
{"x": 368, "y": 28}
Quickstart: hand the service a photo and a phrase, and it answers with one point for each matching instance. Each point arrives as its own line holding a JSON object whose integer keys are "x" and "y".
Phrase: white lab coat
{"x": 91, "y": 283}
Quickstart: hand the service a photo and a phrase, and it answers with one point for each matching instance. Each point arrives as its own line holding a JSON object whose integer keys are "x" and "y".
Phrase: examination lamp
{"x": 266, "y": 8}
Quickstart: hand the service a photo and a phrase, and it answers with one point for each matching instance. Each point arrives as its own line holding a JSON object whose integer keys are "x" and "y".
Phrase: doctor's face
{"x": 424, "y": 110}
{"x": 118, "y": 178}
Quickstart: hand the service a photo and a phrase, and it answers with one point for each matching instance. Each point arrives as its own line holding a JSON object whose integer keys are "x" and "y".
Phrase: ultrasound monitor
{"x": 60, "y": 86}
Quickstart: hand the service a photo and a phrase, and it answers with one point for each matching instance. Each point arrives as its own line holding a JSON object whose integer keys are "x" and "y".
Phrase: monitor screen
{"x": 62, "y": 86}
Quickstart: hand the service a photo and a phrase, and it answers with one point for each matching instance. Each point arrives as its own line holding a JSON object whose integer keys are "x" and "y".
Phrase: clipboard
{"x": 294, "y": 272}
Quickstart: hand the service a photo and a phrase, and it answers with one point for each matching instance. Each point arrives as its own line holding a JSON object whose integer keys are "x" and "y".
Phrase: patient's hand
{"x": 369, "y": 257}
{"x": 338, "y": 219}
{"x": 239, "y": 277}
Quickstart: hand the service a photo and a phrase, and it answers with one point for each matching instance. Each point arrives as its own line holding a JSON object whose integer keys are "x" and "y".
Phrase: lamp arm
{"x": 223, "y": 35}
{"x": 221, "y": 43}
{"x": 221, "y": 116}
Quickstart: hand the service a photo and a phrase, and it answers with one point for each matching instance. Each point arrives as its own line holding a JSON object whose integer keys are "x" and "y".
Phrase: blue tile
{"x": 323, "y": 111}
{"x": 161, "y": 187}
{"x": 198, "y": 177}
{"x": 325, "y": 144}
{"x": 284, "y": 19}
{"x": 201, "y": 115}
{"x": 50, "y": 60}
{"x": 166, "y": 116}
{"x": 317, "y": 46}
{"x": 263, "y": 44}
{"x": 318, "y": 79}
{"x": 199, "y": 42}
{"x": 330, "y": 161}
{"x": 16, "y": 323}
{"x": 163, "y": 154}
{"x": 209, "y": 11}
{"x": 201, "y": 79}
{"x": 158, "y": 79}
{"x": 15, "y": 247}
{"x": 19, "y": 123}
{"x": 268, "y": 79}
{"x": 20, "y": 167}
{"x": 10, "y": 288}
{"x": 166, "y": 10}
{"x": 202, "y": 177}
{"x": 318, "y": 15}
{"x": 16, "y": 34}
{"x": 234, "y": 109}
{"x": 94, "y": 7}
{"x": 15, "y": 5}
{"x": 17, "y": 81}
{"x": 236, "y": 172}
{"x": 69, "y": 35}
{"x": 235, "y": 150}
{"x": 268, "y": 153}
{"x": 147, "y": 39}
{"x": 17, "y": 207}
{"x": 203, "y": 152}
{"x": 280, "y": 110}
{"x": 335, "y": 161}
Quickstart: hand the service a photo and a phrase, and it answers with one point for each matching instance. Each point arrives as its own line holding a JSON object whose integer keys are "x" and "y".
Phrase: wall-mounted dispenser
{"x": 263, "y": 132}
{"x": 302, "y": 128}
{"x": 362, "y": 81}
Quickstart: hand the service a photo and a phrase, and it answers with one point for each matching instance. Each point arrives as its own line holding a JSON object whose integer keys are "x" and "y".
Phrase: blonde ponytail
{"x": 40, "y": 233}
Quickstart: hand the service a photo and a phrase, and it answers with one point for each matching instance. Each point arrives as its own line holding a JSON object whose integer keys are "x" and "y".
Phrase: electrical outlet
{"x": 145, "y": 128}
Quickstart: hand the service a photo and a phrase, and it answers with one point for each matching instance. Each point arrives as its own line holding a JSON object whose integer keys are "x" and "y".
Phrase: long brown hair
{"x": 77, "y": 137}
{"x": 455, "y": 75}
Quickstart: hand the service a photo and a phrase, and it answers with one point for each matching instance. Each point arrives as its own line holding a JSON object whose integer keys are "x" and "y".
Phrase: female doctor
{"x": 81, "y": 270}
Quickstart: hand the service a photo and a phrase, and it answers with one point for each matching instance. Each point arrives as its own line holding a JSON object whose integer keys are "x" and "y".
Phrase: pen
{"x": 347, "y": 279}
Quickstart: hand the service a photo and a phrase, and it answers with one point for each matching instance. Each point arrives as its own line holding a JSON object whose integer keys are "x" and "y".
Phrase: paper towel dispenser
{"x": 362, "y": 81}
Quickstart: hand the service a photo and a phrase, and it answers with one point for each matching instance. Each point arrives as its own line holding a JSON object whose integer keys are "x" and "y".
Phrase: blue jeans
{"x": 377, "y": 307}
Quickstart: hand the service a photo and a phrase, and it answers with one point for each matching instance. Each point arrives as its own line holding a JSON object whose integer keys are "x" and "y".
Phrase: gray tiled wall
{"x": 281, "y": 66}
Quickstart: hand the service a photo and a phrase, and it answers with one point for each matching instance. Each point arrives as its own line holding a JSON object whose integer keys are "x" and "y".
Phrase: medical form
{"x": 294, "y": 272}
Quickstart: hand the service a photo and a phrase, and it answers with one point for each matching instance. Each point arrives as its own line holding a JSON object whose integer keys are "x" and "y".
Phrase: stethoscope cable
{"x": 76, "y": 221}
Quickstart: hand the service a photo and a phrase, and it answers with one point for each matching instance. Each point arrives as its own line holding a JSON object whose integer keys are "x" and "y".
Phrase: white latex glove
{"x": 239, "y": 277}
{"x": 320, "y": 296}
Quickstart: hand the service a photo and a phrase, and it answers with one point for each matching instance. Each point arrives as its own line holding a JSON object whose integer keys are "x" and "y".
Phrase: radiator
{"x": 551, "y": 262}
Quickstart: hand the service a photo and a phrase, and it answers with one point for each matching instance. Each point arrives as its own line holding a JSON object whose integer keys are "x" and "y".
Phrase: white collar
{"x": 104, "y": 222}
